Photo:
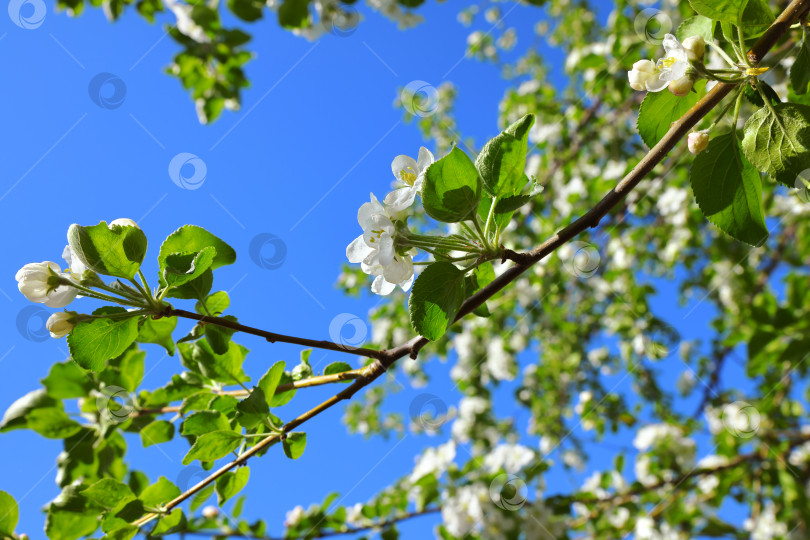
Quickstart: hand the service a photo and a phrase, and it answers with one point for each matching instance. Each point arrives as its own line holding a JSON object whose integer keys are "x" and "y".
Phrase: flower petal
{"x": 386, "y": 249}
{"x": 382, "y": 287}
{"x": 425, "y": 159}
{"x": 401, "y": 163}
{"x": 406, "y": 285}
{"x": 369, "y": 209}
{"x": 399, "y": 270}
{"x": 61, "y": 296}
{"x": 400, "y": 199}
{"x": 656, "y": 84}
{"x": 358, "y": 250}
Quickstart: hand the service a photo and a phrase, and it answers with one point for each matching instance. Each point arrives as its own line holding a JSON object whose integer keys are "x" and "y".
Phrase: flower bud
{"x": 695, "y": 48}
{"x": 122, "y": 222}
{"x": 60, "y": 324}
{"x": 642, "y": 71}
{"x": 681, "y": 87}
{"x": 40, "y": 283}
{"x": 697, "y": 141}
{"x": 210, "y": 512}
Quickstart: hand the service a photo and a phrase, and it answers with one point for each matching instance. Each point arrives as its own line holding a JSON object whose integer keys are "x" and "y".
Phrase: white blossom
{"x": 765, "y": 526}
{"x": 39, "y": 282}
{"x": 60, "y": 324}
{"x": 409, "y": 174}
{"x": 434, "y": 461}
{"x": 376, "y": 252}
{"x": 507, "y": 457}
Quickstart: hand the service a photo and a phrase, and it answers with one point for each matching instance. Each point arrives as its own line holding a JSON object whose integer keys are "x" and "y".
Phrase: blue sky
{"x": 316, "y": 133}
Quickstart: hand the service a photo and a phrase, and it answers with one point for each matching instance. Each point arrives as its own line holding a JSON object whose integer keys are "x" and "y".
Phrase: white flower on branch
{"x": 434, "y": 461}
{"x": 60, "y": 324}
{"x": 673, "y": 70}
{"x": 41, "y": 283}
{"x": 410, "y": 173}
{"x": 507, "y": 457}
{"x": 375, "y": 250}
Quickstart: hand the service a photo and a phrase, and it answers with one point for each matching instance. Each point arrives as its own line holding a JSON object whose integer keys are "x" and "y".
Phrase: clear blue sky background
{"x": 316, "y": 133}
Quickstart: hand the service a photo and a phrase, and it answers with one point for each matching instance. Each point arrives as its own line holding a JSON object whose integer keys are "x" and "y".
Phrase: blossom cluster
{"x": 376, "y": 249}
{"x": 674, "y": 71}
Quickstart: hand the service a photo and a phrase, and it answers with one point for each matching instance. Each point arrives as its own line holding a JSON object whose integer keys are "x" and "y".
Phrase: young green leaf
{"x": 203, "y": 422}
{"x": 436, "y": 297}
{"x": 215, "y": 304}
{"x": 253, "y": 409}
{"x": 800, "y": 70}
{"x": 660, "y": 109}
{"x": 212, "y": 446}
{"x": 294, "y": 444}
{"x": 219, "y": 337}
{"x": 181, "y": 268}
{"x": 201, "y": 358}
{"x": 502, "y": 161}
{"x": 696, "y": 26}
{"x": 777, "y": 141}
{"x": 93, "y": 342}
{"x": 9, "y": 514}
{"x": 729, "y": 191}
{"x": 231, "y": 483}
{"x": 159, "y": 431}
{"x": 67, "y": 380}
{"x": 270, "y": 381}
{"x": 191, "y": 239}
{"x": 337, "y": 367}
{"x": 168, "y": 524}
{"x": 16, "y": 416}
{"x": 67, "y": 525}
{"x": 719, "y": 10}
{"x": 108, "y": 493}
{"x": 158, "y": 331}
{"x": 159, "y": 493}
{"x": 112, "y": 251}
{"x": 53, "y": 423}
{"x": 452, "y": 188}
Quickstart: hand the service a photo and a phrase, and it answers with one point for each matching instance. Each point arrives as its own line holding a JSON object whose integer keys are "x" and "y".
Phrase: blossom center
{"x": 408, "y": 175}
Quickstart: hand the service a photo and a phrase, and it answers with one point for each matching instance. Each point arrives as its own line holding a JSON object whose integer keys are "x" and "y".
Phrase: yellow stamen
{"x": 408, "y": 175}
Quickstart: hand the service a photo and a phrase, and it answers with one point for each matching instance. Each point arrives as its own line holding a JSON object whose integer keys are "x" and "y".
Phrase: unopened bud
{"x": 697, "y": 141}
{"x": 210, "y": 512}
{"x": 695, "y": 48}
{"x": 122, "y": 222}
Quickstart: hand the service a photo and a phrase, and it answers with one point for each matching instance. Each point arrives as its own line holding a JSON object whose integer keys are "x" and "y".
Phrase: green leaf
{"x": 696, "y": 26}
{"x": 756, "y": 17}
{"x": 729, "y": 191}
{"x": 116, "y": 251}
{"x": 174, "y": 522}
{"x": 502, "y": 161}
{"x": 159, "y": 493}
{"x": 719, "y": 10}
{"x": 212, "y": 446}
{"x": 253, "y": 409}
{"x": 181, "y": 268}
{"x": 294, "y": 444}
{"x": 67, "y": 525}
{"x": 270, "y": 380}
{"x": 337, "y": 367}
{"x": 800, "y": 71}
{"x": 201, "y": 497}
{"x": 282, "y": 398}
{"x": 203, "y": 422}
{"x": 53, "y": 423}
{"x": 108, "y": 493}
{"x": 660, "y": 109}
{"x": 158, "y": 331}
{"x": 219, "y": 337}
{"x": 778, "y": 142}
{"x": 452, "y": 188}
{"x": 93, "y": 342}
{"x": 9, "y": 514}
{"x": 436, "y": 297}
{"x": 16, "y": 416}
{"x": 159, "y": 431}
{"x": 66, "y": 380}
{"x": 247, "y": 10}
{"x": 191, "y": 239}
{"x": 227, "y": 368}
{"x": 231, "y": 483}
{"x": 216, "y": 303}
{"x": 293, "y": 13}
